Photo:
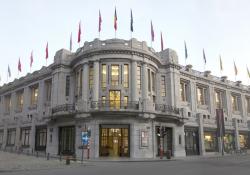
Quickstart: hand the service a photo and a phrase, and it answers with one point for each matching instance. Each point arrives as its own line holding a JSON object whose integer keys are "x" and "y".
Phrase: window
{"x": 153, "y": 81}
{"x": 91, "y": 76}
{"x": 41, "y": 138}
{"x": 7, "y": 102}
{"x": 103, "y": 101}
{"x": 48, "y": 84}
{"x": 126, "y": 75}
{"x": 218, "y": 99}
{"x": 149, "y": 81}
{"x": 235, "y": 102}
{"x": 114, "y": 99}
{"x": 114, "y": 75}
{"x": 1, "y": 137}
{"x": 184, "y": 91}
{"x": 11, "y": 137}
{"x": 25, "y": 136}
{"x": 104, "y": 76}
{"x": 19, "y": 105}
{"x": 201, "y": 95}
{"x": 125, "y": 101}
{"x": 210, "y": 141}
{"x": 138, "y": 77}
{"x": 67, "y": 85}
{"x": 163, "y": 86}
{"x": 248, "y": 104}
{"x": 79, "y": 82}
{"x": 34, "y": 95}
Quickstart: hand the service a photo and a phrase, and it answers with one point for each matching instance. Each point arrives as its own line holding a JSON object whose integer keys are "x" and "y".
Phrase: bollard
{"x": 48, "y": 156}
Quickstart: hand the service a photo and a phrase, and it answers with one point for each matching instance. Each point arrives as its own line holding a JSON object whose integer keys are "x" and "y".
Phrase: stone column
{"x": 133, "y": 75}
{"x": 201, "y": 135}
{"x": 179, "y": 141}
{"x": 95, "y": 93}
{"x": 236, "y": 134}
{"x": 85, "y": 87}
{"x": 5, "y": 130}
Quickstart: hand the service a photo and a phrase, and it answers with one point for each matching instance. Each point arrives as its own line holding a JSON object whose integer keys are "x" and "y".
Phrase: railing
{"x": 167, "y": 108}
{"x": 64, "y": 108}
{"x": 114, "y": 105}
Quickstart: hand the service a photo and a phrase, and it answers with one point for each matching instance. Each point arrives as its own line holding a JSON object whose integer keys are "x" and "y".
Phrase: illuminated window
{"x": 125, "y": 101}
{"x": 163, "y": 86}
{"x": 126, "y": 76}
{"x": 201, "y": 95}
{"x": 103, "y": 101}
{"x": 91, "y": 76}
{"x": 114, "y": 75}
{"x": 184, "y": 91}
{"x": 34, "y": 95}
{"x": 235, "y": 102}
{"x": 19, "y": 100}
{"x": 7, "y": 101}
{"x": 104, "y": 76}
{"x": 138, "y": 77}
{"x": 114, "y": 99}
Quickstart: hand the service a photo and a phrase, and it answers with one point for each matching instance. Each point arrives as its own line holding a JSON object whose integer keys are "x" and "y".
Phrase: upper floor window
{"x": 34, "y": 95}
{"x": 104, "y": 76}
{"x": 79, "y": 82}
{"x": 219, "y": 99}
{"x": 184, "y": 90}
{"x": 91, "y": 76}
{"x": 153, "y": 81}
{"x": 235, "y": 102}
{"x": 163, "y": 86}
{"x": 114, "y": 75}
{"x": 149, "y": 81}
{"x": 48, "y": 84}
{"x": 126, "y": 75}
{"x": 67, "y": 86}
{"x": 201, "y": 95}
{"x": 138, "y": 77}
{"x": 7, "y": 103}
{"x": 19, "y": 104}
{"x": 248, "y": 104}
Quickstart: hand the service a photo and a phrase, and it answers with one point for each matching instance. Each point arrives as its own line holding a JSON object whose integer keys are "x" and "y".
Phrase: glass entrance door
{"x": 191, "y": 141}
{"x": 67, "y": 140}
{"x": 114, "y": 142}
{"x": 115, "y": 99}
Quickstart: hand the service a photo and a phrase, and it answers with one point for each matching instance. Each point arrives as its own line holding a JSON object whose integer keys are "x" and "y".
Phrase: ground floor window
{"x": 1, "y": 137}
{"x": 243, "y": 140}
{"x": 229, "y": 142}
{"x": 11, "y": 137}
{"x": 41, "y": 138}
{"x": 114, "y": 140}
{"x": 210, "y": 141}
{"x": 25, "y": 136}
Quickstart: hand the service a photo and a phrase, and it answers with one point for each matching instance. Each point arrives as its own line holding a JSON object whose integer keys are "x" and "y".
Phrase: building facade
{"x": 134, "y": 102}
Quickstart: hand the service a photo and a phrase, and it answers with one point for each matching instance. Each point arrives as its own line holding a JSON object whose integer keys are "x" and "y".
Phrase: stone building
{"x": 132, "y": 100}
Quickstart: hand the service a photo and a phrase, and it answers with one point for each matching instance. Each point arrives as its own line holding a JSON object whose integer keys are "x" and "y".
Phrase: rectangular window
{"x": 149, "y": 81}
{"x": 25, "y": 136}
{"x": 184, "y": 91}
{"x": 138, "y": 77}
{"x": 80, "y": 83}
{"x": 104, "y": 76}
{"x": 103, "y": 101}
{"x": 114, "y": 75}
{"x": 219, "y": 99}
{"x": 1, "y": 137}
{"x": 115, "y": 99}
{"x": 34, "y": 95}
{"x": 91, "y": 76}
{"x": 163, "y": 86}
{"x": 235, "y": 102}
{"x": 48, "y": 86}
{"x": 41, "y": 138}
{"x": 201, "y": 95}
{"x": 7, "y": 101}
{"x": 19, "y": 105}
{"x": 248, "y": 104}
{"x": 126, "y": 75}
{"x": 125, "y": 102}
{"x": 153, "y": 81}
{"x": 11, "y": 137}
{"x": 67, "y": 85}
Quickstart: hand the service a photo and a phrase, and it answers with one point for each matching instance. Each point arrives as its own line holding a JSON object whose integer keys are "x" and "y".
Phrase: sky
{"x": 221, "y": 27}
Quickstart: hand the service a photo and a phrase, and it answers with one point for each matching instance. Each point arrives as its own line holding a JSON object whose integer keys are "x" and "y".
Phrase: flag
{"x": 162, "y": 47}
{"x": 221, "y": 66}
{"x": 9, "y": 73}
{"x": 248, "y": 73}
{"x": 70, "y": 42}
{"x": 115, "y": 20}
{"x": 79, "y": 33}
{"x": 31, "y": 59}
{"x": 100, "y": 22}
{"x": 204, "y": 57}
{"x": 186, "y": 53}
{"x": 235, "y": 69}
{"x": 152, "y": 32}
{"x": 19, "y": 66}
{"x": 0, "y": 78}
{"x": 47, "y": 51}
{"x": 131, "y": 21}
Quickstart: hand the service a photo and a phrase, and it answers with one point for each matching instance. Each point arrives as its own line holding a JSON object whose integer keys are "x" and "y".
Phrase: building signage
{"x": 144, "y": 138}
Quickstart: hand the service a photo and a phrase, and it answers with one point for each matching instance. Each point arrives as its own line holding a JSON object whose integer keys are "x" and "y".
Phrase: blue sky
{"x": 221, "y": 27}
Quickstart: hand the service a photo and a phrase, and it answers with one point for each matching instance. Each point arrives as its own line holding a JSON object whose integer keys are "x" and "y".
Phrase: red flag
{"x": 152, "y": 32}
{"x": 31, "y": 58}
{"x": 19, "y": 66}
{"x": 79, "y": 33}
{"x": 115, "y": 20}
{"x": 100, "y": 22}
{"x": 70, "y": 42}
{"x": 47, "y": 51}
{"x": 162, "y": 47}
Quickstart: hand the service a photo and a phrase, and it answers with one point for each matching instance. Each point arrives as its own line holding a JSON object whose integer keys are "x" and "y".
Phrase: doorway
{"x": 191, "y": 141}
{"x": 67, "y": 140}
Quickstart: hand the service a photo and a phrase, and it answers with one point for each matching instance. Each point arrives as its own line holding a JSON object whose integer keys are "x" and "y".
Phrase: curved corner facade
{"x": 120, "y": 98}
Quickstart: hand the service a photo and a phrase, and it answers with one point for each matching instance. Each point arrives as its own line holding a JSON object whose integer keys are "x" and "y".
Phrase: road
{"x": 239, "y": 165}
